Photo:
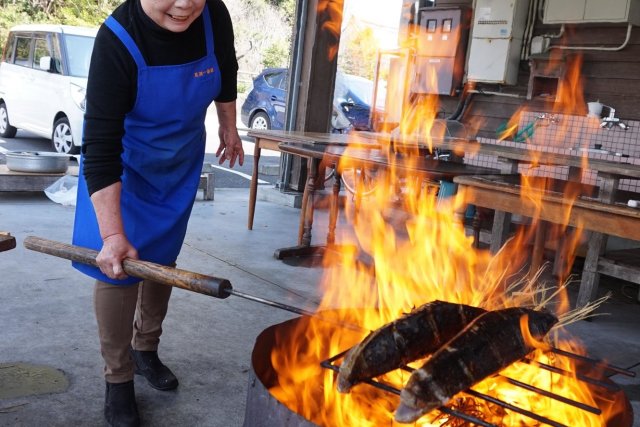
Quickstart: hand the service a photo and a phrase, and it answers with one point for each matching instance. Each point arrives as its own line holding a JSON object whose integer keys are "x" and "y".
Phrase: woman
{"x": 156, "y": 67}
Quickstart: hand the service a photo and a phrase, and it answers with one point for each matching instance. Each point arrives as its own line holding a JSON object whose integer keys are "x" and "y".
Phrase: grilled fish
{"x": 412, "y": 336}
{"x": 487, "y": 345}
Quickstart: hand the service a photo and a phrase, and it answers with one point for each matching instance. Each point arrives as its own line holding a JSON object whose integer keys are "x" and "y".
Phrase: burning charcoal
{"x": 487, "y": 345}
{"x": 411, "y": 337}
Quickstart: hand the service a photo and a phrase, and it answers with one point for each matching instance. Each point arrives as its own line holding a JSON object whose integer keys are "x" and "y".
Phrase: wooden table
{"x": 601, "y": 216}
{"x": 367, "y": 154}
{"x": 270, "y": 140}
{"x": 608, "y": 171}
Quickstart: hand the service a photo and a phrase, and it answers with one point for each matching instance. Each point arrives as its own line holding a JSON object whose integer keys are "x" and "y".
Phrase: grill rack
{"x": 330, "y": 364}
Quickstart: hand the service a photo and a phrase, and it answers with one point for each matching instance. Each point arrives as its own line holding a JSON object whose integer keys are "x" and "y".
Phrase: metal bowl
{"x": 37, "y": 161}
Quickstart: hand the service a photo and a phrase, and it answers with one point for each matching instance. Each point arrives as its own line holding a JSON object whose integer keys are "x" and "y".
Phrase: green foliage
{"x": 10, "y": 15}
{"x": 84, "y": 13}
{"x": 360, "y": 54}
{"x": 287, "y": 7}
{"x": 69, "y": 12}
{"x": 275, "y": 55}
{"x": 243, "y": 87}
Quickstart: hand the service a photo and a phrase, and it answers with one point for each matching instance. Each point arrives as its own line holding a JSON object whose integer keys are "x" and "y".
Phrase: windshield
{"x": 361, "y": 88}
{"x": 348, "y": 85}
{"x": 79, "y": 54}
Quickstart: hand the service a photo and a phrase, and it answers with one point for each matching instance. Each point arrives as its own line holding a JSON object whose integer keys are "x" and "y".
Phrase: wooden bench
{"x": 622, "y": 264}
{"x": 207, "y": 181}
{"x": 7, "y": 241}
{"x": 605, "y": 219}
{"x": 37, "y": 182}
{"x": 28, "y": 181}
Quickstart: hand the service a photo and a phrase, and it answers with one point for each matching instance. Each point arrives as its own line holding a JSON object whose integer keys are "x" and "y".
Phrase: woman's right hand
{"x": 115, "y": 249}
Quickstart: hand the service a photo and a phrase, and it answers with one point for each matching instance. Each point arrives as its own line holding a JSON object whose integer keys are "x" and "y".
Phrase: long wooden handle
{"x": 195, "y": 282}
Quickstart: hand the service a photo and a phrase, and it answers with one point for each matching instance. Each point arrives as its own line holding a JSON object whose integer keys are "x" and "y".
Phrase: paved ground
{"x": 47, "y": 316}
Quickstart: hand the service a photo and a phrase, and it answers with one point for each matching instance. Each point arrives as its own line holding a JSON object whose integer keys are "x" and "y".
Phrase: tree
{"x": 266, "y": 44}
{"x": 359, "y": 52}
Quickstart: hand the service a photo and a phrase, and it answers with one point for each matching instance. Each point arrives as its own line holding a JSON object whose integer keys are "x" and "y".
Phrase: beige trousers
{"x": 128, "y": 316}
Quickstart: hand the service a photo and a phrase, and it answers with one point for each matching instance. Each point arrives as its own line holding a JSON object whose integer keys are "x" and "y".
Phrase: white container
{"x": 595, "y": 109}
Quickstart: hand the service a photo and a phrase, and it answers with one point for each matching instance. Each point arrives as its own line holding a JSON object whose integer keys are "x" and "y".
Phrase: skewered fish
{"x": 412, "y": 336}
{"x": 487, "y": 345}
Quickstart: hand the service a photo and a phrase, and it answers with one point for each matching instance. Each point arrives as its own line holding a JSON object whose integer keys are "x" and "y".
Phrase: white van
{"x": 43, "y": 81}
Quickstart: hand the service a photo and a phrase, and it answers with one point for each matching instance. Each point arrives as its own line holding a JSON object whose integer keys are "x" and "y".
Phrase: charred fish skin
{"x": 412, "y": 336}
{"x": 487, "y": 345}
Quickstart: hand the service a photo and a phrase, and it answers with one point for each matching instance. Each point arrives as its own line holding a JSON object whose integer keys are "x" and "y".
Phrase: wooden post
{"x": 317, "y": 74}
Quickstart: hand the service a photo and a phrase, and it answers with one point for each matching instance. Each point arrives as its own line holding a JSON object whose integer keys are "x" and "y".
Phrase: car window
{"x": 78, "y": 50}
{"x": 56, "y": 57}
{"x": 284, "y": 82}
{"x": 23, "y": 48}
{"x": 360, "y": 87}
{"x": 274, "y": 79}
{"x": 363, "y": 90}
{"x": 40, "y": 49}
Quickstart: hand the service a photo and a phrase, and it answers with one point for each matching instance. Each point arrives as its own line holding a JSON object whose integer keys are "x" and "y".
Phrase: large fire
{"x": 417, "y": 251}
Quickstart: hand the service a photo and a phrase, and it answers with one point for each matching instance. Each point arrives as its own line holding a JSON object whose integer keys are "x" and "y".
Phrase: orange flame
{"x": 330, "y": 18}
{"x": 412, "y": 248}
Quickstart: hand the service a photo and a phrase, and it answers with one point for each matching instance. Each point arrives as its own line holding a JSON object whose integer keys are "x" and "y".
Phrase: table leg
{"x": 304, "y": 205}
{"x": 307, "y": 202}
{"x": 590, "y": 276}
{"x": 560, "y": 260}
{"x": 537, "y": 257}
{"x": 502, "y": 220}
{"x": 596, "y": 247}
{"x": 254, "y": 184}
{"x": 561, "y": 265}
{"x": 500, "y": 230}
{"x": 304, "y": 247}
{"x": 333, "y": 212}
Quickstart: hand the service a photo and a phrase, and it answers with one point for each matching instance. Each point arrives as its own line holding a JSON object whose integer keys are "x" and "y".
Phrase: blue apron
{"x": 163, "y": 144}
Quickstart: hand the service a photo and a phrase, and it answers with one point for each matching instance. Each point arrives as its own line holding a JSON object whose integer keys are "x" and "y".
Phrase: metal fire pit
{"x": 264, "y": 410}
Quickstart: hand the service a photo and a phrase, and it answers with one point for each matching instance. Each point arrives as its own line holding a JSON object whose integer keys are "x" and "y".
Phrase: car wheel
{"x": 6, "y": 130}
{"x": 62, "y": 138}
{"x": 260, "y": 121}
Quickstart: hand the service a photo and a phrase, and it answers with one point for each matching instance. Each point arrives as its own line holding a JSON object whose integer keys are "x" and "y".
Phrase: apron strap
{"x": 126, "y": 39}
{"x": 207, "y": 30}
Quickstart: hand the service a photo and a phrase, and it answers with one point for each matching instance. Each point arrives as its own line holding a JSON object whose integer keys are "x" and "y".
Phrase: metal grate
{"x": 614, "y": 370}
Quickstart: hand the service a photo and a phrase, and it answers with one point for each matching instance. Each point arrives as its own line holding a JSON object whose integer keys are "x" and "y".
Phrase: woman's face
{"x": 173, "y": 15}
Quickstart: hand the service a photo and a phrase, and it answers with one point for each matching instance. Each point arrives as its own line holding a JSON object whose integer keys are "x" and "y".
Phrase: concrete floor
{"x": 46, "y": 315}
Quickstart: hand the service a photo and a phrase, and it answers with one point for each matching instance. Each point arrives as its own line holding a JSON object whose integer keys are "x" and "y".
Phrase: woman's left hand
{"x": 230, "y": 146}
{"x": 230, "y": 143}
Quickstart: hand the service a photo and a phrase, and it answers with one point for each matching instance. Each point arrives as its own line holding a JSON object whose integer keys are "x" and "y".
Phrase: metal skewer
{"x": 184, "y": 279}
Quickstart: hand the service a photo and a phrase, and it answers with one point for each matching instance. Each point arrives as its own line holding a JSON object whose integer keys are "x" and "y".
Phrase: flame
{"x": 330, "y": 17}
{"x": 406, "y": 246}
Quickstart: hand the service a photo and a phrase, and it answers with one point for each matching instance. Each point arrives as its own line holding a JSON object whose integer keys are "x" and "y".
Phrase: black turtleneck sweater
{"x": 112, "y": 85}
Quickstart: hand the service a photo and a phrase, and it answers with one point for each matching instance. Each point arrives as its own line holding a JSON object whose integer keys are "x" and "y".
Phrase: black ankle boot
{"x": 120, "y": 408}
{"x": 149, "y": 366}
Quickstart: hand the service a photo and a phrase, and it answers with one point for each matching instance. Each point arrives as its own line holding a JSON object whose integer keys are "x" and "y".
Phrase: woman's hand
{"x": 230, "y": 143}
{"x": 115, "y": 249}
{"x": 230, "y": 147}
